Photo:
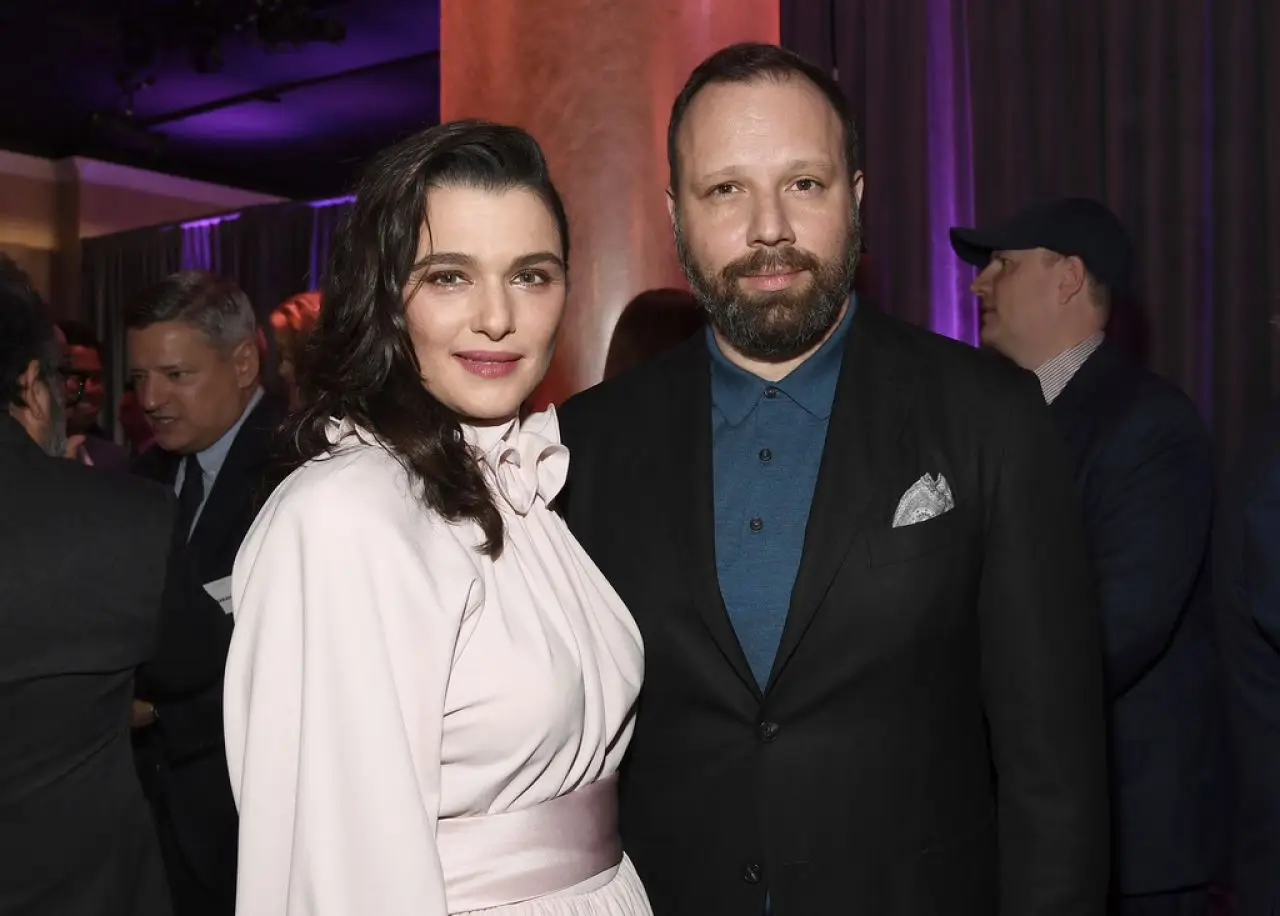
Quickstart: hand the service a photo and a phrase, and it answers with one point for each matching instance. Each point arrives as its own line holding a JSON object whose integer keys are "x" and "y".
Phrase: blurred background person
{"x": 76, "y": 835}
{"x": 82, "y": 372}
{"x": 194, "y": 363}
{"x": 650, "y": 325}
{"x": 291, "y": 322}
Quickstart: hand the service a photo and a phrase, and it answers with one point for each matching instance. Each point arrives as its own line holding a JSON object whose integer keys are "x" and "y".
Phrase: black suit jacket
{"x": 1144, "y": 466}
{"x": 82, "y": 553}
{"x": 183, "y": 756}
{"x": 1247, "y": 580}
{"x": 931, "y": 738}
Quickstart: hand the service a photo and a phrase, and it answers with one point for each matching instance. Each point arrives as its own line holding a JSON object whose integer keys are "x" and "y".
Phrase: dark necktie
{"x": 190, "y": 496}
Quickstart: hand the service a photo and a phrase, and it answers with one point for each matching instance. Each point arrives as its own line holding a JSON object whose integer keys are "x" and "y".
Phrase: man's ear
{"x": 27, "y": 382}
{"x": 247, "y": 365}
{"x": 1072, "y": 279}
{"x": 35, "y": 413}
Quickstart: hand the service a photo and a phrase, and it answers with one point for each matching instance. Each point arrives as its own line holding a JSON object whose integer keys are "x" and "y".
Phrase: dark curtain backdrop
{"x": 115, "y": 268}
{"x": 1165, "y": 109}
{"x": 272, "y": 252}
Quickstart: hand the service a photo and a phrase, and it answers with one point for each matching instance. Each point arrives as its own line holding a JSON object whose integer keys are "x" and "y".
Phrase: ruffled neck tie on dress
{"x": 525, "y": 458}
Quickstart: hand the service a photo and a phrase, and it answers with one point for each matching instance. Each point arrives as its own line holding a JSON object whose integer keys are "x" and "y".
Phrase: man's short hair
{"x": 214, "y": 305}
{"x": 1099, "y": 292}
{"x": 26, "y": 333}
{"x": 752, "y": 63}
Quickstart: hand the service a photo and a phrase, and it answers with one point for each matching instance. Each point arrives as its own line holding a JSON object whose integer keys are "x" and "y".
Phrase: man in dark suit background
{"x": 1247, "y": 587}
{"x": 1144, "y": 471}
{"x": 82, "y": 566}
{"x": 85, "y": 391}
{"x": 194, "y": 363}
{"x": 872, "y": 677}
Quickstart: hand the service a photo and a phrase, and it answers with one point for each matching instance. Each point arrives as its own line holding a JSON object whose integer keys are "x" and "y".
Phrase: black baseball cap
{"x": 1072, "y": 226}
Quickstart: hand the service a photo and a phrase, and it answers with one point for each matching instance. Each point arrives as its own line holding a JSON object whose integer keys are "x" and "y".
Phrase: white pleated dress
{"x": 385, "y": 677}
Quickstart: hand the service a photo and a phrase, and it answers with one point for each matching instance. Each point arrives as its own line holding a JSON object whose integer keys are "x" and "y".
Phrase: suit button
{"x": 751, "y": 873}
{"x": 768, "y": 731}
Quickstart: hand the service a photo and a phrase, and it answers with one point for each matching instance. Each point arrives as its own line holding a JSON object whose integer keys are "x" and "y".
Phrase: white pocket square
{"x": 927, "y": 498}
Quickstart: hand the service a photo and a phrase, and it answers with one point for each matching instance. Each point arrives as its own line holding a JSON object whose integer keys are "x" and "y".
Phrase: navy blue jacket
{"x": 1247, "y": 576}
{"x": 1146, "y": 480}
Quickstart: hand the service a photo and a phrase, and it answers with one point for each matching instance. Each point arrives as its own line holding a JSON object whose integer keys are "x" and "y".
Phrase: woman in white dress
{"x": 430, "y": 686}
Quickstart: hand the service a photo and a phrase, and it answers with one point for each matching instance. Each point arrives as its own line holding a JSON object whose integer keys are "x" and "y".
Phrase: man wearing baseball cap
{"x": 1145, "y": 477}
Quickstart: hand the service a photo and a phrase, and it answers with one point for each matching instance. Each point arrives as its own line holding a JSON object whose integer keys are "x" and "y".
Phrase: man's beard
{"x": 780, "y": 325}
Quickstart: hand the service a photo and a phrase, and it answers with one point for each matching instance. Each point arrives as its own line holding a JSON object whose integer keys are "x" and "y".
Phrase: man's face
{"x": 766, "y": 214}
{"x": 84, "y": 387}
{"x": 1018, "y": 293}
{"x": 192, "y": 391}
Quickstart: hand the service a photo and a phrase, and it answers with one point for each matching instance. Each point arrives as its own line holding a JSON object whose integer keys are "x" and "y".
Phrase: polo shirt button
{"x": 766, "y": 455}
{"x": 771, "y": 392}
{"x": 757, "y": 524}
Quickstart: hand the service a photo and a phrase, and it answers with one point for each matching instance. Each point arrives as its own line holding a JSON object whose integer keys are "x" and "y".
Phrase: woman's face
{"x": 484, "y": 307}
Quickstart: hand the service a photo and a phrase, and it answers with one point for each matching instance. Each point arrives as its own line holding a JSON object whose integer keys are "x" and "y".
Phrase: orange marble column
{"x": 593, "y": 81}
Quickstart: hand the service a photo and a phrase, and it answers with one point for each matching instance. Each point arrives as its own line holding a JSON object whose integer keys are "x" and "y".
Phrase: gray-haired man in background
{"x": 193, "y": 360}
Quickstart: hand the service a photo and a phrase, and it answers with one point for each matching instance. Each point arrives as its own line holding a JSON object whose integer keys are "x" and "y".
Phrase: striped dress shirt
{"x": 1059, "y": 371}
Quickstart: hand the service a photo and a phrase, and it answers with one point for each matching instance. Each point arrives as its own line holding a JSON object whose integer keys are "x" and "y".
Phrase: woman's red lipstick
{"x": 488, "y": 363}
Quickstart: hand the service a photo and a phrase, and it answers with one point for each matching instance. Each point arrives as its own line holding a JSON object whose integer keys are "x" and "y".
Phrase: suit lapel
{"x": 872, "y": 400}
{"x": 690, "y": 499}
{"x": 1086, "y": 403}
{"x": 232, "y": 491}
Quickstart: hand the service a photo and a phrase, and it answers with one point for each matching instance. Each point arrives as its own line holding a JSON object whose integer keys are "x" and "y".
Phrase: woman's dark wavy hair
{"x": 359, "y": 363}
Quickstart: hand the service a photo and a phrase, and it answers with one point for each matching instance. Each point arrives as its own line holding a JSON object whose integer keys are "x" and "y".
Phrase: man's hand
{"x": 144, "y": 714}
{"x": 74, "y": 443}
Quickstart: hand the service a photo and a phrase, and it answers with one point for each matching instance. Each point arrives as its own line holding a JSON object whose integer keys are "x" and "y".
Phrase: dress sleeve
{"x": 346, "y": 620}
